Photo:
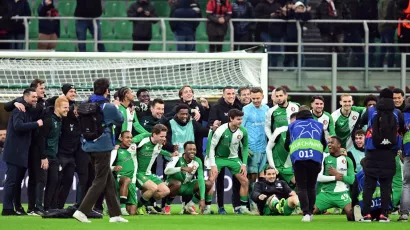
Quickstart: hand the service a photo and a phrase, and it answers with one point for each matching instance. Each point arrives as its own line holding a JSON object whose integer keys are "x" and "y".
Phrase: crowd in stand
{"x": 220, "y": 12}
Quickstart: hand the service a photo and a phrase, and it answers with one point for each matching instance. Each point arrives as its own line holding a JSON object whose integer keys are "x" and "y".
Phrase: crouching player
{"x": 337, "y": 171}
{"x": 180, "y": 180}
{"x": 274, "y": 196}
{"x": 123, "y": 161}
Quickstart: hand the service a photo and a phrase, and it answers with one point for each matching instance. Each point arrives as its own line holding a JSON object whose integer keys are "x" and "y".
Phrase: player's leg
{"x": 323, "y": 202}
{"x": 132, "y": 199}
{"x": 174, "y": 188}
{"x": 234, "y": 166}
{"x": 289, "y": 205}
{"x": 349, "y": 212}
{"x": 162, "y": 191}
{"x": 148, "y": 188}
{"x": 253, "y": 171}
{"x": 124, "y": 183}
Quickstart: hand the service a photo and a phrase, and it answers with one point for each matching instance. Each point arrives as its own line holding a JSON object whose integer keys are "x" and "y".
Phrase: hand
{"x": 204, "y": 102}
{"x": 332, "y": 171}
{"x": 48, "y": 2}
{"x": 147, "y": 13}
{"x": 262, "y": 197}
{"x": 343, "y": 151}
{"x": 308, "y": 9}
{"x": 44, "y": 164}
{"x": 20, "y": 106}
{"x": 202, "y": 206}
{"x": 400, "y": 154}
{"x": 131, "y": 109}
{"x": 339, "y": 177}
{"x": 221, "y": 20}
{"x": 274, "y": 15}
{"x": 175, "y": 154}
{"x": 40, "y": 122}
{"x": 139, "y": 10}
{"x": 213, "y": 173}
{"x": 116, "y": 103}
{"x": 116, "y": 147}
{"x": 117, "y": 168}
{"x": 250, "y": 153}
{"x": 197, "y": 115}
{"x": 187, "y": 169}
{"x": 243, "y": 170}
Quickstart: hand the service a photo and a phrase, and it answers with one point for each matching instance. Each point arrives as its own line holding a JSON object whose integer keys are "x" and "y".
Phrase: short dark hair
{"x": 234, "y": 113}
{"x": 337, "y": 138}
{"x": 268, "y": 168}
{"x": 34, "y": 84}
{"x": 242, "y": 89}
{"x": 281, "y": 89}
{"x": 181, "y": 106}
{"x": 116, "y": 94}
{"x": 304, "y": 107}
{"x": 122, "y": 92}
{"x": 101, "y": 85}
{"x": 256, "y": 90}
{"x": 182, "y": 88}
{"x": 368, "y": 98}
{"x": 28, "y": 91}
{"x": 157, "y": 101}
{"x": 319, "y": 97}
{"x": 189, "y": 143}
{"x": 227, "y": 87}
{"x": 141, "y": 91}
{"x": 360, "y": 132}
{"x": 293, "y": 115}
{"x": 398, "y": 90}
{"x": 158, "y": 128}
{"x": 125, "y": 131}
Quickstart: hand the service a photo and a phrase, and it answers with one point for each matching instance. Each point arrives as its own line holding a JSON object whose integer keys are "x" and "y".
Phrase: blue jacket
{"x": 112, "y": 116}
{"x": 48, "y": 26}
{"x": 20, "y": 8}
{"x": 406, "y": 136}
{"x": 242, "y": 10}
{"x": 19, "y": 130}
{"x": 184, "y": 10}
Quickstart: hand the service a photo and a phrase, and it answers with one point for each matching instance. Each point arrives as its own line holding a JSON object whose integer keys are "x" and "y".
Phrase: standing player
{"x": 152, "y": 187}
{"x": 318, "y": 103}
{"x": 274, "y": 196}
{"x": 223, "y": 152}
{"x": 253, "y": 122}
{"x": 181, "y": 181}
{"x": 123, "y": 162}
{"x": 337, "y": 172}
{"x": 279, "y": 114}
{"x": 345, "y": 120}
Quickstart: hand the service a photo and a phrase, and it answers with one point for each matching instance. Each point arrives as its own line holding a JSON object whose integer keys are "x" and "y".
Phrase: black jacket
{"x": 88, "y": 9}
{"x": 213, "y": 27}
{"x": 51, "y": 131}
{"x": 19, "y": 130}
{"x": 279, "y": 188}
{"x": 322, "y": 12}
{"x": 148, "y": 122}
{"x": 194, "y": 105}
{"x": 142, "y": 29}
{"x": 5, "y": 14}
{"x": 185, "y": 9}
{"x": 20, "y": 8}
{"x": 264, "y": 10}
{"x": 70, "y": 134}
{"x": 220, "y": 110}
{"x": 46, "y": 26}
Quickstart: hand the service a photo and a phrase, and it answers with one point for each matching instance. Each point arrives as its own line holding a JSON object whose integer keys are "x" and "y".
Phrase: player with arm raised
{"x": 337, "y": 172}
{"x": 151, "y": 186}
{"x": 181, "y": 172}
{"x": 223, "y": 152}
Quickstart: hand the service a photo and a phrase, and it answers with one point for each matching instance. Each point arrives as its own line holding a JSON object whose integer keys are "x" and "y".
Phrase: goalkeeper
{"x": 274, "y": 196}
{"x": 124, "y": 161}
{"x": 181, "y": 172}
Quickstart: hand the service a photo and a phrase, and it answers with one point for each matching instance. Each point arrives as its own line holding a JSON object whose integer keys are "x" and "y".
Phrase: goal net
{"x": 161, "y": 73}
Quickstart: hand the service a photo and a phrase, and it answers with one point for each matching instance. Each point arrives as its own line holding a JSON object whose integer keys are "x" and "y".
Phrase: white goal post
{"x": 161, "y": 73}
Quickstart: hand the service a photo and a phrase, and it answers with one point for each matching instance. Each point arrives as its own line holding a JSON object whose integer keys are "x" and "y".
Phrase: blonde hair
{"x": 60, "y": 101}
{"x": 345, "y": 95}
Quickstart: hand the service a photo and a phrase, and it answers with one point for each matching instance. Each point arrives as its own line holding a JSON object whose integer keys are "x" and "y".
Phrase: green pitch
{"x": 210, "y": 222}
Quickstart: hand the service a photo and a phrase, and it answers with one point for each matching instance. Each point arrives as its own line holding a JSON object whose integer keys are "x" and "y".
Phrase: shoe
{"x": 403, "y": 218}
{"x": 20, "y": 211}
{"x": 158, "y": 209}
{"x": 367, "y": 218}
{"x": 384, "y": 219}
{"x": 207, "y": 210}
{"x": 221, "y": 211}
{"x": 280, "y": 206}
{"x": 152, "y": 211}
{"x": 124, "y": 212}
{"x": 141, "y": 210}
{"x": 118, "y": 219}
{"x": 167, "y": 210}
{"x": 336, "y": 211}
{"x": 244, "y": 210}
{"x": 101, "y": 212}
{"x": 81, "y": 217}
{"x": 307, "y": 218}
{"x": 31, "y": 213}
{"x": 190, "y": 210}
{"x": 357, "y": 213}
{"x": 39, "y": 211}
{"x": 8, "y": 212}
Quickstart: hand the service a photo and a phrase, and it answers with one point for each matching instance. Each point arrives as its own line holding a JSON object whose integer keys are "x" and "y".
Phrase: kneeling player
{"x": 180, "y": 180}
{"x": 274, "y": 196}
{"x": 123, "y": 161}
{"x": 337, "y": 172}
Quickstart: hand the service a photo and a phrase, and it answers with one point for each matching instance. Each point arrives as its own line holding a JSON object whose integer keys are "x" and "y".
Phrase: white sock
{"x": 190, "y": 203}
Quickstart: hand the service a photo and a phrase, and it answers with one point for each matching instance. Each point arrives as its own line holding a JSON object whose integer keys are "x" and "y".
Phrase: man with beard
{"x": 318, "y": 104}
{"x": 2, "y": 141}
{"x": 356, "y": 153}
{"x": 244, "y": 95}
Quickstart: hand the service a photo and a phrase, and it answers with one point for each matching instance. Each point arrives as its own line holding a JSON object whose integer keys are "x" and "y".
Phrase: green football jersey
{"x": 147, "y": 153}
{"x": 279, "y": 116}
{"x": 276, "y": 154}
{"x": 173, "y": 172}
{"x": 126, "y": 158}
{"x": 343, "y": 165}
{"x": 398, "y": 176}
{"x": 225, "y": 143}
{"x": 131, "y": 122}
{"x": 328, "y": 125}
{"x": 344, "y": 126}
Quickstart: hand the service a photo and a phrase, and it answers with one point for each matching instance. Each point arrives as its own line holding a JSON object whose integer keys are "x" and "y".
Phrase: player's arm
{"x": 331, "y": 127}
{"x": 214, "y": 142}
{"x": 171, "y": 169}
{"x": 137, "y": 126}
{"x": 256, "y": 192}
{"x": 350, "y": 155}
{"x": 245, "y": 147}
{"x": 268, "y": 123}
{"x": 286, "y": 145}
{"x": 323, "y": 178}
{"x": 139, "y": 137}
{"x": 208, "y": 143}
{"x": 364, "y": 120}
{"x": 271, "y": 144}
{"x": 165, "y": 153}
{"x": 245, "y": 116}
{"x": 201, "y": 179}
{"x": 323, "y": 140}
{"x": 349, "y": 178}
{"x": 114, "y": 153}
{"x": 133, "y": 152}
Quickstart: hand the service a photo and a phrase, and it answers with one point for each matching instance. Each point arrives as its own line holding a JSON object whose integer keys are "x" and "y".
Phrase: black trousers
{"x": 85, "y": 173}
{"x": 215, "y": 48}
{"x": 49, "y": 180}
{"x": 65, "y": 178}
{"x": 306, "y": 173}
{"x": 12, "y": 182}
{"x": 370, "y": 184}
{"x": 140, "y": 47}
{"x": 243, "y": 38}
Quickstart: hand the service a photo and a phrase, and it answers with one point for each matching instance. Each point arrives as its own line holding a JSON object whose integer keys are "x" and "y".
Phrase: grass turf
{"x": 208, "y": 222}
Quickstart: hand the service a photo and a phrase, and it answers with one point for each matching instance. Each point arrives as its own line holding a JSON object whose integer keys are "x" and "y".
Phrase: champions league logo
{"x": 308, "y": 130}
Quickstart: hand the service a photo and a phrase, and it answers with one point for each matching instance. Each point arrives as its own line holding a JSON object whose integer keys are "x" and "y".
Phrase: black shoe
{"x": 158, "y": 209}
{"x": 8, "y": 212}
{"x": 20, "y": 211}
{"x": 39, "y": 211}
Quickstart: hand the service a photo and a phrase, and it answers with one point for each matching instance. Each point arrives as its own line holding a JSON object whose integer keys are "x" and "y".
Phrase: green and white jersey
{"x": 398, "y": 176}
{"x": 147, "y": 153}
{"x": 343, "y": 165}
{"x": 276, "y": 154}
{"x": 279, "y": 116}
{"x": 328, "y": 125}
{"x": 127, "y": 159}
{"x": 344, "y": 126}
{"x": 131, "y": 122}
{"x": 225, "y": 143}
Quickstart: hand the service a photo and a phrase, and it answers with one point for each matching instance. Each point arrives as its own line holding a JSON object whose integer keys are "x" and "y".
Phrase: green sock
{"x": 122, "y": 205}
{"x": 195, "y": 199}
{"x": 244, "y": 200}
{"x": 208, "y": 199}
